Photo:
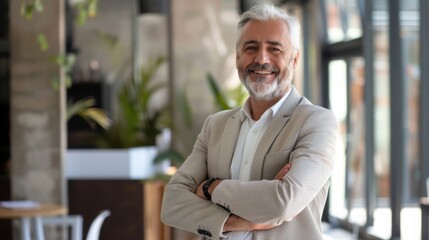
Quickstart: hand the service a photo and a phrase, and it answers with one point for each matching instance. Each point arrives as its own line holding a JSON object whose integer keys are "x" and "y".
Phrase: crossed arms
{"x": 255, "y": 205}
{"x": 234, "y": 222}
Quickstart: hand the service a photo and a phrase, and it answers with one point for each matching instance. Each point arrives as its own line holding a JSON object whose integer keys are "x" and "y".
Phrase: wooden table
{"x": 32, "y": 215}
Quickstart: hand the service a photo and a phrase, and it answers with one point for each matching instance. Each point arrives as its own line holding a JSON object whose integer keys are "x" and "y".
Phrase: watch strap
{"x": 206, "y": 188}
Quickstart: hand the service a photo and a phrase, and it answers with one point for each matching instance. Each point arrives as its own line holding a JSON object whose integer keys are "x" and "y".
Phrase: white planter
{"x": 131, "y": 163}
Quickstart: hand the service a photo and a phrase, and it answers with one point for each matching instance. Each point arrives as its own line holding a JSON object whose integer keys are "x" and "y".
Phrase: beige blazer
{"x": 300, "y": 133}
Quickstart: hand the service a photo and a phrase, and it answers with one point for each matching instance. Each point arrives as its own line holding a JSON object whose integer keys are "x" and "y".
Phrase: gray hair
{"x": 266, "y": 11}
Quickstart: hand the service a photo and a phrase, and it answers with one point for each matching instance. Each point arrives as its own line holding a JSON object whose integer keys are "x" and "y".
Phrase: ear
{"x": 236, "y": 57}
{"x": 295, "y": 59}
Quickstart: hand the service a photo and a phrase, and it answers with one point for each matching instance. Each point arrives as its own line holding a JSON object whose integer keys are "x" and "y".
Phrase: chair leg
{"x": 76, "y": 233}
{"x": 25, "y": 228}
{"x": 75, "y": 222}
{"x": 38, "y": 228}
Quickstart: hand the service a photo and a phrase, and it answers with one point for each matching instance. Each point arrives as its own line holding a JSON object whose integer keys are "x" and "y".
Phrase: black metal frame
{"x": 397, "y": 117}
{"x": 424, "y": 94}
{"x": 424, "y": 107}
{"x": 368, "y": 51}
{"x": 355, "y": 47}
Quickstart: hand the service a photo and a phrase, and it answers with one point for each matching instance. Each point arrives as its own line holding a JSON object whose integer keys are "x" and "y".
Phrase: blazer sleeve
{"x": 277, "y": 201}
{"x": 181, "y": 207}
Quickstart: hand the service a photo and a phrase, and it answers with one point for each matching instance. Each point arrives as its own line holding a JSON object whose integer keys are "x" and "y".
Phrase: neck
{"x": 258, "y": 107}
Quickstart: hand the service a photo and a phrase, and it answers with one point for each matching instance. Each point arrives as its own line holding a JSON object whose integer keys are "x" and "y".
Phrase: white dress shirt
{"x": 250, "y": 134}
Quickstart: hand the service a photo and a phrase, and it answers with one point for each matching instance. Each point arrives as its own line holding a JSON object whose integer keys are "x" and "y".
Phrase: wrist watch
{"x": 206, "y": 188}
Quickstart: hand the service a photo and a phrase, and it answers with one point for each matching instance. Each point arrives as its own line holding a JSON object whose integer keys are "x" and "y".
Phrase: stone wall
{"x": 37, "y": 110}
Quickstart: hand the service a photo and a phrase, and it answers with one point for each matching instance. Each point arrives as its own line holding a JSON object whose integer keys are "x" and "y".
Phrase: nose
{"x": 262, "y": 56}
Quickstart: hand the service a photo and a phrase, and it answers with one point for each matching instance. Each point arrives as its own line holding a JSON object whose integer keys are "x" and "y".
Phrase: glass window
{"x": 356, "y": 142}
{"x": 412, "y": 171}
{"x": 343, "y": 20}
{"x": 346, "y": 93}
{"x": 338, "y": 101}
{"x": 346, "y": 96}
{"x": 410, "y": 49}
{"x": 382, "y": 214}
{"x": 409, "y": 17}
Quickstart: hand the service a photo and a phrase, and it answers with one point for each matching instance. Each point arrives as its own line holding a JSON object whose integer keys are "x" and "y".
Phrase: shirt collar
{"x": 245, "y": 110}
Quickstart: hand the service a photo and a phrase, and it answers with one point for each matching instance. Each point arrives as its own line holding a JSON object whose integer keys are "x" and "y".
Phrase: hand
{"x": 235, "y": 223}
{"x": 283, "y": 172}
{"x": 199, "y": 192}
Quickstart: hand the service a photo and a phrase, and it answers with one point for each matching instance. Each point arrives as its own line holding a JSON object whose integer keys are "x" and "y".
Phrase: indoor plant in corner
{"x": 127, "y": 149}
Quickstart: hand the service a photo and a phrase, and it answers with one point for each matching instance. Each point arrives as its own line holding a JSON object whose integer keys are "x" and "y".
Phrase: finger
{"x": 283, "y": 171}
{"x": 263, "y": 227}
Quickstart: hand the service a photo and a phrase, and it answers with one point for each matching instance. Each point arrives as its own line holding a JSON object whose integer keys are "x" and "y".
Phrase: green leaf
{"x": 27, "y": 11}
{"x": 85, "y": 109}
{"x": 65, "y": 61}
{"x": 38, "y": 6}
{"x": 76, "y": 107}
{"x": 68, "y": 80}
{"x": 82, "y": 15}
{"x": 174, "y": 156}
{"x": 43, "y": 43}
{"x": 96, "y": 115}
{"x": 23, "y": 10}
{"x": 92, "y": 8}
{"x": 219, "y": 96}
{"x": 185, "y": 108}
{"x": 55, "y": 83}
{"x": 138, "y": 124}
{"x": 69, "y": 61}
{"x": 237, "y": 96}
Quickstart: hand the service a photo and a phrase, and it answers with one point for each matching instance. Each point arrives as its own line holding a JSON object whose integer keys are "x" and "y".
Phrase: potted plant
{"x": 128, "y": 148}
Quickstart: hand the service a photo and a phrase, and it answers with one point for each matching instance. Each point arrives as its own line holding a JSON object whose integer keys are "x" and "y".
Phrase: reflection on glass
{"x": 343, "y": 20}
{"x": 410, "y": 46}
{"x": 338, "y": 102}
{"x": 354, "y": 27}
{"x": 348, "y": 182}
{"x": 333, "y": 21}
{"x": 347, "y": 83}
{"x": 382, "y": 114}
{"x": 382, "y": 222}
{"x": 356, "y": 143}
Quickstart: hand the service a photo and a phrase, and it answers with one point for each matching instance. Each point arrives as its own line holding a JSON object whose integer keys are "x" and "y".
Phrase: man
{"x": 261, "y": 171}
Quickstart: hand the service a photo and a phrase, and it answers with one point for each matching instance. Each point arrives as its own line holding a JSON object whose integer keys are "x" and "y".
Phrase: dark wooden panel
{"x": 124, "y": 198}
{"x": 5, "y": 195}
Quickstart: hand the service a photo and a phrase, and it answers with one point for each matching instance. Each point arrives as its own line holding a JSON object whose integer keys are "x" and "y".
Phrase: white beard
{"x": 262, "y": 90}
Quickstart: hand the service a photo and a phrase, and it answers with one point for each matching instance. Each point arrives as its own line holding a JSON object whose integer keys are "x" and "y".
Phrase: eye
{"x": 275, "y": 50}
{"x": 250, "y": 48}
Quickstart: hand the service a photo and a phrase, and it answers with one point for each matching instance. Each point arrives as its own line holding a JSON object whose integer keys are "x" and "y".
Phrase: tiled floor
{"x": 410, "y": 224}
{"x": 336, "y": 233}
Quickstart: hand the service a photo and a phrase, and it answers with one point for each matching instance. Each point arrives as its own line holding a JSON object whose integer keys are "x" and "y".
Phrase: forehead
{"x": 270, "y": 30}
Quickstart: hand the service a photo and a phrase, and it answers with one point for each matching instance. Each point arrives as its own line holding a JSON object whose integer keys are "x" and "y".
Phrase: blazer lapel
{"x": 272, "y": 131}
{"x": 228, "y": 143}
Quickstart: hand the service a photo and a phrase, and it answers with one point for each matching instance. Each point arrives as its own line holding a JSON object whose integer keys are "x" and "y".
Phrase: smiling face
{"x": 266, "y": 59}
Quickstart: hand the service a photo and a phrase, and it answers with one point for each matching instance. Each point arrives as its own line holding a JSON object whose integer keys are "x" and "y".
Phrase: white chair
{"x": 94, "y": 229}
{"x": 75, "y": 222}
